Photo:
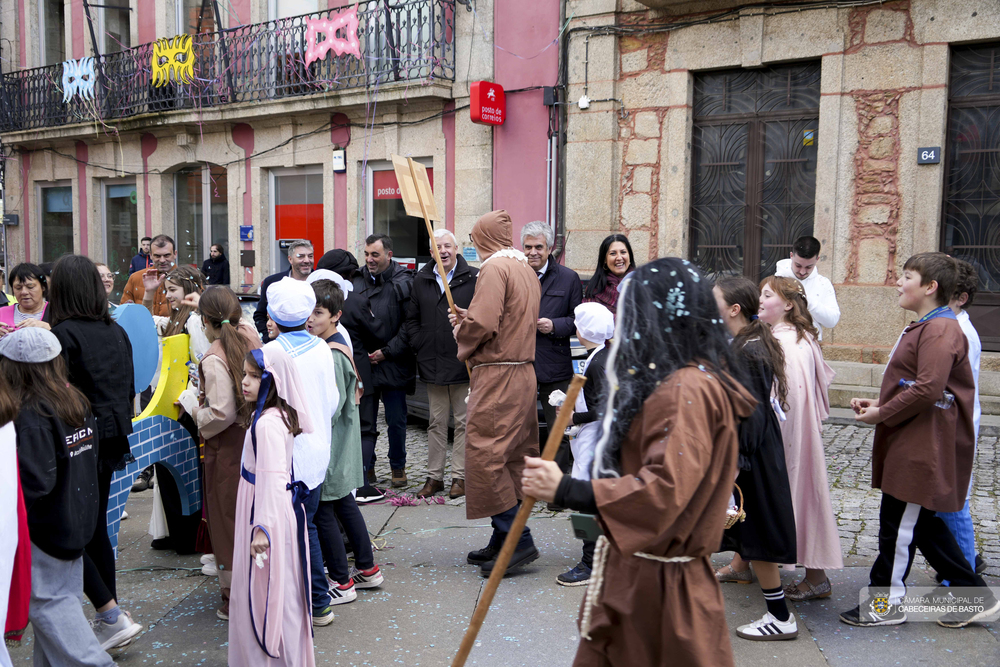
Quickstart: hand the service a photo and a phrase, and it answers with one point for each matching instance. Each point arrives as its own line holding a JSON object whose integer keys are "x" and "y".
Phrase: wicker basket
{"x": 740, "y": 516}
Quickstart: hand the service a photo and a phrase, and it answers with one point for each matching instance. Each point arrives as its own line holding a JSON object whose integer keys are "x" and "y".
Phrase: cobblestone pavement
{"x": 848, "y": 455}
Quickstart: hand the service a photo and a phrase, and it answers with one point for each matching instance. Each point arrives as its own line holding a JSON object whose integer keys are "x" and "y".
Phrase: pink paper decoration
{"x": 348, "y": 21}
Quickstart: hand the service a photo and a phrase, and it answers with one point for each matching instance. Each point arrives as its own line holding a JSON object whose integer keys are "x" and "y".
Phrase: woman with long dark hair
{"x": 614, "y": 261}
{"x": 98, "y": 358}
{"x": 219, "y": 416}
{"x": 662, "y": 476}
{"x": 767, "y": 536}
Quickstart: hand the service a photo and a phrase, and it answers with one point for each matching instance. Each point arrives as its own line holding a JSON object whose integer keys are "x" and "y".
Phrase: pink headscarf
{"x": 286, "y": 382}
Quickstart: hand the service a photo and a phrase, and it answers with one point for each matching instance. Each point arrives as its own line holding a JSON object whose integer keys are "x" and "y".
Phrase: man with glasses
{"x": 162, "y": 256}
{"x": 301, "y": 262}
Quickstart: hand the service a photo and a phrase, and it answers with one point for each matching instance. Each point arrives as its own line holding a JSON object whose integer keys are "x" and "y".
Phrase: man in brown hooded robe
{"x": 496, "y": 335}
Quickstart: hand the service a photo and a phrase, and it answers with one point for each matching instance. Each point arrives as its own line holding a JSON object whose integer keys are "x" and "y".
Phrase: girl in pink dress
{"x": 270, "y": 621}
{"x": 783, "y": 305}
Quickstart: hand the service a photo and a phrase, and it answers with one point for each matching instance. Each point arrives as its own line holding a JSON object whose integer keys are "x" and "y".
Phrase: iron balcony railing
{"x": 409, "y": 41}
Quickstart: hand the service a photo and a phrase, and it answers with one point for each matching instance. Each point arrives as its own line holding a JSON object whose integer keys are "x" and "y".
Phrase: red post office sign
{"x": 488, "y": 104}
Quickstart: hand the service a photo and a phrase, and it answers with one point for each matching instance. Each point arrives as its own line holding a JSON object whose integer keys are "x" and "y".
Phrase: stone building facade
{"x": 845, "y": 95}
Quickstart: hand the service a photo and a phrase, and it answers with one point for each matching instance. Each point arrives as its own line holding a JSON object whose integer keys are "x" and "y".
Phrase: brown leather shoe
{"x": 431, "y": 486}
{"x": 398, "y": 479}
{"x": 457, "y": 488}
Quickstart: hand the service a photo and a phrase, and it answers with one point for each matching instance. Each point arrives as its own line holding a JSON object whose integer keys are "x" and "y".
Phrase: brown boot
{"x": 431, "y": 486}
{"x": 457, "y": 488}
{"x": 398, "y": 478}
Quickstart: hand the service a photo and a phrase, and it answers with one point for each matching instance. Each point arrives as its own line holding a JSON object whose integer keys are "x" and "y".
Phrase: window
{"x": 410, "y": 243}
{"x": 200, "y": 194}
{"x": 754, "y": 144}
{"x": 57, "y": 221}
{"x": 51, "y": 29}
{"x": 115, "y": 26}
{"x": 121, "y": 222}
{"x": 970, "y": 228}
{"x": 282, "y": 9}
{"x": 195, "y": 17}
{"x": 296, "y": 211}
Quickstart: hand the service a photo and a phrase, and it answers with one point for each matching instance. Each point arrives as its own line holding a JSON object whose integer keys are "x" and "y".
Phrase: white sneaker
{"x": 769, "y": 629}
{"x": 342, "y": 594}
{"x": 208, "y": 566}
{"x": 124, "y": 515}
{"x": 367, "y": 578}
{"x": 119, "y": 633}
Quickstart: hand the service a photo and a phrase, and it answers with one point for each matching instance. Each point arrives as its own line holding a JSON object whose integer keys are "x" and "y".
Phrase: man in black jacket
{"x": 300, "y": 259}
{"x": 216, "y": 267}
{"x": 562, "y": 292}
{"x": 367, "y": 334}
{"x": 447, "y": 379}
{"x": 387, "y": 286}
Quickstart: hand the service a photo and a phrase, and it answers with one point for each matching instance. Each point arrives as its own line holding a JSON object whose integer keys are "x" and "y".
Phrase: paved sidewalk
{"x": 419, "y": 615}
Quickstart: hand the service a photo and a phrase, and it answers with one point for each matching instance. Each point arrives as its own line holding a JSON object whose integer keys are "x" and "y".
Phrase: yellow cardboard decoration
{"x": 173, "y": 56}
{"x": 173, "y": 378}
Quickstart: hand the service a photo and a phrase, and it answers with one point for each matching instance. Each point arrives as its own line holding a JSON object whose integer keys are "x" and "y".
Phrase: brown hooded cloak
{"x": 497, "y": 338}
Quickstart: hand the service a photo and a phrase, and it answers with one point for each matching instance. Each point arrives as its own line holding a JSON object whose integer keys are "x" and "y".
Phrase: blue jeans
{"x": 394, "y": 401}
{"x": 320, "y": 586}
{"x": 345, "y": 509}
{"x": 960, "y": 525}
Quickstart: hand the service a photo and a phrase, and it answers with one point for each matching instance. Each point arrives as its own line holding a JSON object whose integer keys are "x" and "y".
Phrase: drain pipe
{"x": 557, "y": 142}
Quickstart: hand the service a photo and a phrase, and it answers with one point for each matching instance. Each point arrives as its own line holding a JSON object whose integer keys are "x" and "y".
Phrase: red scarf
{"x": 609, "y": 295}
{"x": 20, "y": 579}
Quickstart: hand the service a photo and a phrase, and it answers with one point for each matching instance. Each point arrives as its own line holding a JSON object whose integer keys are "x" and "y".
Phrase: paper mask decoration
{"x": 346, "y": 21}
{"x": 173, "y": 56}
{"x": 78, "y": 78}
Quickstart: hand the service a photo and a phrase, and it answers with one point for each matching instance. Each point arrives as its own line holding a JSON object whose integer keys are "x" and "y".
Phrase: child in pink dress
{"x": 270, "y": 610}
{"x": 783, "y": 305}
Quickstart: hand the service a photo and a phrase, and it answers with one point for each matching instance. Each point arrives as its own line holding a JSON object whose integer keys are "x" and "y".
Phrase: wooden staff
{"x": 434, "y": 250}
{"x": 513, "y": 537}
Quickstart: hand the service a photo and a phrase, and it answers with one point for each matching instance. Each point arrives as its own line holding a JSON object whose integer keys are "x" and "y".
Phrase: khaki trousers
{"x": 441, "y": 399}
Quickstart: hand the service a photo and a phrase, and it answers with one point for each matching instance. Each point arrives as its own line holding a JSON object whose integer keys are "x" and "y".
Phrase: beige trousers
{"x": 441, "y": 399}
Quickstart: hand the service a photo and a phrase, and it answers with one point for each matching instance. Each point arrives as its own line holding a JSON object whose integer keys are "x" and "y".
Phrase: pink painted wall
{"x": 238, "y": 14}
{"x": 25, "y": 207}
{"x": 82, "y": 155}
{"x": 148, "y": 144}
{"x": 520, "y": 145}
{"x": 78, "y": 24}
{"x": 243, "y": 136}
{"x": 23, "y": 25}
{"x": 146, "y": 16}
{"x": 340, "y": 135}
{"x": 448, "y": 127}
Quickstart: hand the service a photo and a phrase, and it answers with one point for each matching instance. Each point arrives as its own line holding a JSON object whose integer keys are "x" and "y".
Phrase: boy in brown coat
{"x": 924, "y": 445}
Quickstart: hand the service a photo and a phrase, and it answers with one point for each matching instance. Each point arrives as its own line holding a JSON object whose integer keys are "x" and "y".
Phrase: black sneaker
{"x": 578, "y": 576}
{"x": 144, "y": 481}
{"x": 960, "y": 619}
{"x": 864, "y": 617}
{"x": 520, "y": 558}
{"x": 369, "y": 494}
{"x": 487, "y": 554}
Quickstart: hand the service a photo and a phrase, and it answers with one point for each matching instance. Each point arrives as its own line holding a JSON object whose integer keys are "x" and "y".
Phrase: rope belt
{"x": 597, "y": 578}
{"x": 501, "y": 363}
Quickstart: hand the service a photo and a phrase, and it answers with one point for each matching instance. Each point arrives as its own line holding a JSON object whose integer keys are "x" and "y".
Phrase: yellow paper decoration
{"x": 173, "y": 56}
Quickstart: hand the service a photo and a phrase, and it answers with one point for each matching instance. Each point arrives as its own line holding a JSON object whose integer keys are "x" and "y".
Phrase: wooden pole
{"x": 434, "y": 251}
{"x": 503, "y": 558}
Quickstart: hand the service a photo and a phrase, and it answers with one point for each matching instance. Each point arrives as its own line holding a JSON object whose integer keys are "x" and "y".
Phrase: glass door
{"x": 296, "y": 211}
{"x": 57, "y": 221}
{"x": 121, "y": 229}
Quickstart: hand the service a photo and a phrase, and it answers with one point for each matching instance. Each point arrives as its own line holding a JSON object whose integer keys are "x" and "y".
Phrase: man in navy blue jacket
{"x": 562, "y": 292}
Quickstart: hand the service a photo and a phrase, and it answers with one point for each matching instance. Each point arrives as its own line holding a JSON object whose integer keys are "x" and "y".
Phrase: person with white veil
{"x": 270, "y": 604}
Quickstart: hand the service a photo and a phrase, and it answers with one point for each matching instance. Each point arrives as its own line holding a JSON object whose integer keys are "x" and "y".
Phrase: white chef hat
{"x": 594, "y": 322}
{"x": 327, "y": 274}
{"x": 290, "y": 302}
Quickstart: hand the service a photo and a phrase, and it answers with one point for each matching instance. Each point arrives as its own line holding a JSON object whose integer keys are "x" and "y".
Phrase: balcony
{"x": 412, "y": 41}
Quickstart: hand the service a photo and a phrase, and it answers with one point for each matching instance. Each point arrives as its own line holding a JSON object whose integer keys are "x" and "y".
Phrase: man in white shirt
{"x": 290, "y": 302}
{"x": 822, "y": 299}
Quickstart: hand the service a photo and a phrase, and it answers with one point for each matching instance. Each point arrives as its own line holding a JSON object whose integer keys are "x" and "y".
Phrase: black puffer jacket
{"x": 562, "y": 292}
{"x": 389, "y": 295}
{"x": 367, "y": 333}
{"x": 427, "y": 324}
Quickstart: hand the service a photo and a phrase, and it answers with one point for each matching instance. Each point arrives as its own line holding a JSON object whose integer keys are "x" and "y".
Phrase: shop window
{"x": 121, "y": 230}
{"x": 410, "y": 243}
{"x": 755, "y": 139}
{"x": 51, "y": 30}
{"x": 296, "y": 211}
{"x": 970, "y": 228}
{"x": 57, "y": 221}
{"x": 200, "y": 195}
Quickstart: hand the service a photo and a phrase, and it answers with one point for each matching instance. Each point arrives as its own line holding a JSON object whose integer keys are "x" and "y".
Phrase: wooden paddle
{"x": 503, "y": 558}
